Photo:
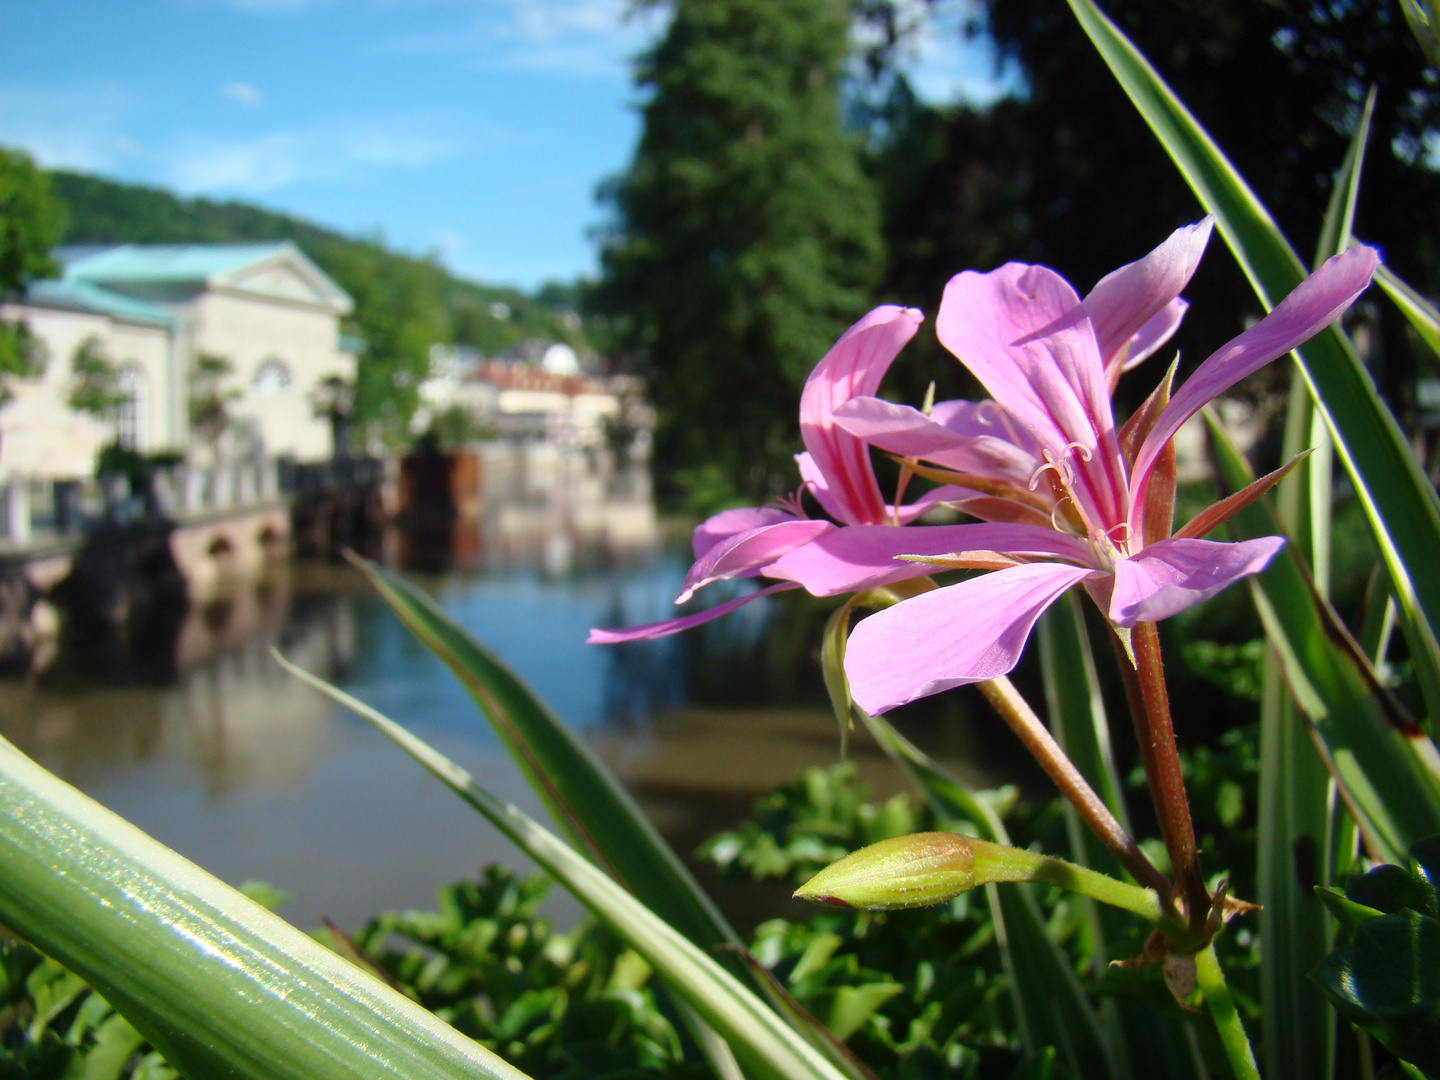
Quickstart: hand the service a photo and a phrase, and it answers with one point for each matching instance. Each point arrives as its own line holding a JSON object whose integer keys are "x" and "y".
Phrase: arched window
{"x": 130, "y": 389}
{"x": 272, "y": 377}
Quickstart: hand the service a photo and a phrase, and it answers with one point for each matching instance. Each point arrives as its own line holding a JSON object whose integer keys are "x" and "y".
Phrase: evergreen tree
{"x": 745, "y": 235}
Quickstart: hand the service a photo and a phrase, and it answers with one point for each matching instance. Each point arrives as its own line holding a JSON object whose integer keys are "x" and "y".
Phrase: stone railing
{"x": 33, "y": 511}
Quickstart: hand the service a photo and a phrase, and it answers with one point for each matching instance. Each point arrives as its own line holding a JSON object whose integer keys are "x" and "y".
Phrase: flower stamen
{"x": 790, "y": 504}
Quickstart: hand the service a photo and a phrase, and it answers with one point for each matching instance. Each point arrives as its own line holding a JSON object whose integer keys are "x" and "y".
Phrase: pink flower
{"x": 835, "y": 468}
{"x": 1047, "y": 359}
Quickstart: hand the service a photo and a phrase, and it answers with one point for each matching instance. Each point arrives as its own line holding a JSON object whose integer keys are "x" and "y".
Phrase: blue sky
{"x": 477, "y": 129}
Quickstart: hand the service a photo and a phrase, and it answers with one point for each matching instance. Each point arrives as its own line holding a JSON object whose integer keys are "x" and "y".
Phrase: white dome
{"x": 560, "y": 359}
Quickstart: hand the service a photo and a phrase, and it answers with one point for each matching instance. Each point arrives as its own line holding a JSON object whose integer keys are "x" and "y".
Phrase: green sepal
{"x": 1348, "y": 913}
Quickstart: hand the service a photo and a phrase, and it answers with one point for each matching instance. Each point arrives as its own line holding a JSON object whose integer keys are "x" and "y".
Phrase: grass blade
{"x": 1400, "y": 503}
{"x": 1075, "y": 711}
{"x": 1050, "y": 1003}
{"x": 591, "y": 805}
{"x": 584, "y": 797}
{"x": 218, "y": 984}
{"x": 764, "y": 1044}
{"x": 1421, "y": 313}
{"x": 1294, "y": 839}
{"x": 1383, "y": 762}
{"x": 1295, "y": 818}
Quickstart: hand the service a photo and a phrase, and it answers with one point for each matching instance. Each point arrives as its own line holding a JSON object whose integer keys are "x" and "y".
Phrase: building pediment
{"x": 278, "y": 271}
{"x": 286, "y": 275}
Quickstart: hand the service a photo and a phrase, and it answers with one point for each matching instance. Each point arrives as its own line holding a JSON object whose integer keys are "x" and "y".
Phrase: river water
{"x": 200, "y": 739}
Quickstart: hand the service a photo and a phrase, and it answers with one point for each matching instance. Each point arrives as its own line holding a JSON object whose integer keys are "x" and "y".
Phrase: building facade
{"x": 267, "y": 313}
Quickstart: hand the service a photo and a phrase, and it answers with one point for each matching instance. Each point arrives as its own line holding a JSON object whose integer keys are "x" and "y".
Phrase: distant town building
{"x": 152, "y": 311}
{"x": 553, "y": 401}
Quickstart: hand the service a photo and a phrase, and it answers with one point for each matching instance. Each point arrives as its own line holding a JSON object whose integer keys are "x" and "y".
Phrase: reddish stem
{"x": 1001, "y": 693}
{"x": 1150, "y": 710}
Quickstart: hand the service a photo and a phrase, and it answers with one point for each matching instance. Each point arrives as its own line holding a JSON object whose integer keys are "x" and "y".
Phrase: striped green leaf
{"x": 1075, "y": 711}
{"x": 763, "y": 1043}
{"x": 589, "y": 803}
{"x": 214, "y": 981}
{"x": 1419, "y": 311}
{"x": 1295, "y": 818}
{"x": 1387, "y": 768}
{"x": 582, "y": 795}
{"x": 1399, "y": 500}
{"x": 1050, "y": 1004}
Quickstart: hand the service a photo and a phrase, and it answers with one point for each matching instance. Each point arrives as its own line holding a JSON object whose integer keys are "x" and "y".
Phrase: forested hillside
{"x": 403, "y": 304}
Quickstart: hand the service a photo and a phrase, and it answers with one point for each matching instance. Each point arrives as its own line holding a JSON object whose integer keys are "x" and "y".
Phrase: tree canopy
{"x": 745, "y": 236}
{"x": 31, "y": 218}
{"x": 1067, "y": 174}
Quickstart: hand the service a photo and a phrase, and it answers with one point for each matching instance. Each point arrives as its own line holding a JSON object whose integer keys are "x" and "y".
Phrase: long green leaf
{"x": 1294, "y": 840}
{"x": 585, "y": 798}
{"x": 591, "y": 805}
{"x": 1076, "y": 714}
{"x": 218, "y": 984}
{"x": 1401, "y": 505}
{"x": 1421, "y": 313}
{"x": 1051, "y": 1006}
{"x": 1384, "y": 763}
{"x": 1295, "y": 807}
{"x": 764, "y": 1044}
{"x": 1075, "y": 711}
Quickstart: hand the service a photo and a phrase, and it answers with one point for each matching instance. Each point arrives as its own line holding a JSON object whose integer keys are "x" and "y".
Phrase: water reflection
{"x": 201, "y": 740}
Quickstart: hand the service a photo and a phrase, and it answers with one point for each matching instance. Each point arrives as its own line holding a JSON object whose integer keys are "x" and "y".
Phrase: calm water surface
{"x": 207, "y": 745}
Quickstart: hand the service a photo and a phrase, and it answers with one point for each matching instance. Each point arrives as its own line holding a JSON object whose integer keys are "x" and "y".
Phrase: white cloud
{"x": 204, "y": 163}
{"x": 576, "y": 38}
{"x": 242, "y": 92}
{"x": 67, "y": 128}
{"x": 449, "y": 243}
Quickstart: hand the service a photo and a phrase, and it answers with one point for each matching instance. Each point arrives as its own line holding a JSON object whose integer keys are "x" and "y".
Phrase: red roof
{"x": 526, "y": 377}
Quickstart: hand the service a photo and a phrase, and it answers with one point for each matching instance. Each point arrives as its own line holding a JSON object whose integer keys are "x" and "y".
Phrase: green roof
{"x": 166, "y": 262}
{"x": 83, "y": 296}
{"x": 125, "y": 266}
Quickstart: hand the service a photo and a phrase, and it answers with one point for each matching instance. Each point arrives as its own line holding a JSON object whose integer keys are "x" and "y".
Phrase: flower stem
{"x": 1001, "y": 693}
{"x": 1150, "y": 710}
{"x": 1222, "y": 1010}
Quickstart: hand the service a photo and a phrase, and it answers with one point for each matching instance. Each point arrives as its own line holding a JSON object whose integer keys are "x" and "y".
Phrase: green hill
{"x": 403, "y": 304}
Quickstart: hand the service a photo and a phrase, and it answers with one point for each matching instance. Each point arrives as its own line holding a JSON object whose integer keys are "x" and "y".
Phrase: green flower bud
{"x": 930, "y": 868}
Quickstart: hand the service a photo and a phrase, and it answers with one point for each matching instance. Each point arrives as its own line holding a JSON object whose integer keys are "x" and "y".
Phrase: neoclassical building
{"x": 152, "y": 311}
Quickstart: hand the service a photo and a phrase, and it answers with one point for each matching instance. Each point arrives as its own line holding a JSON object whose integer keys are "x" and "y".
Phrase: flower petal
{"x": 1155, "y": 333}
{"x": 1170, "y": 576}
{"x": 1024, "y": 334}
{"x": 977, "y": 449}
{"x": 931, "y": 499}
{"x": 818, "y": 486}
{"x": 960, "y": 634}
{"x": 1125, "y": 301}
{"x": 852, "y": 368}
{"x": 666, "y": 627}
{"x": 746, "y": 553}
{"x": 1315, "y": 304}
{"x": 863, "y": 556}
{"x": 727, "y": 523}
